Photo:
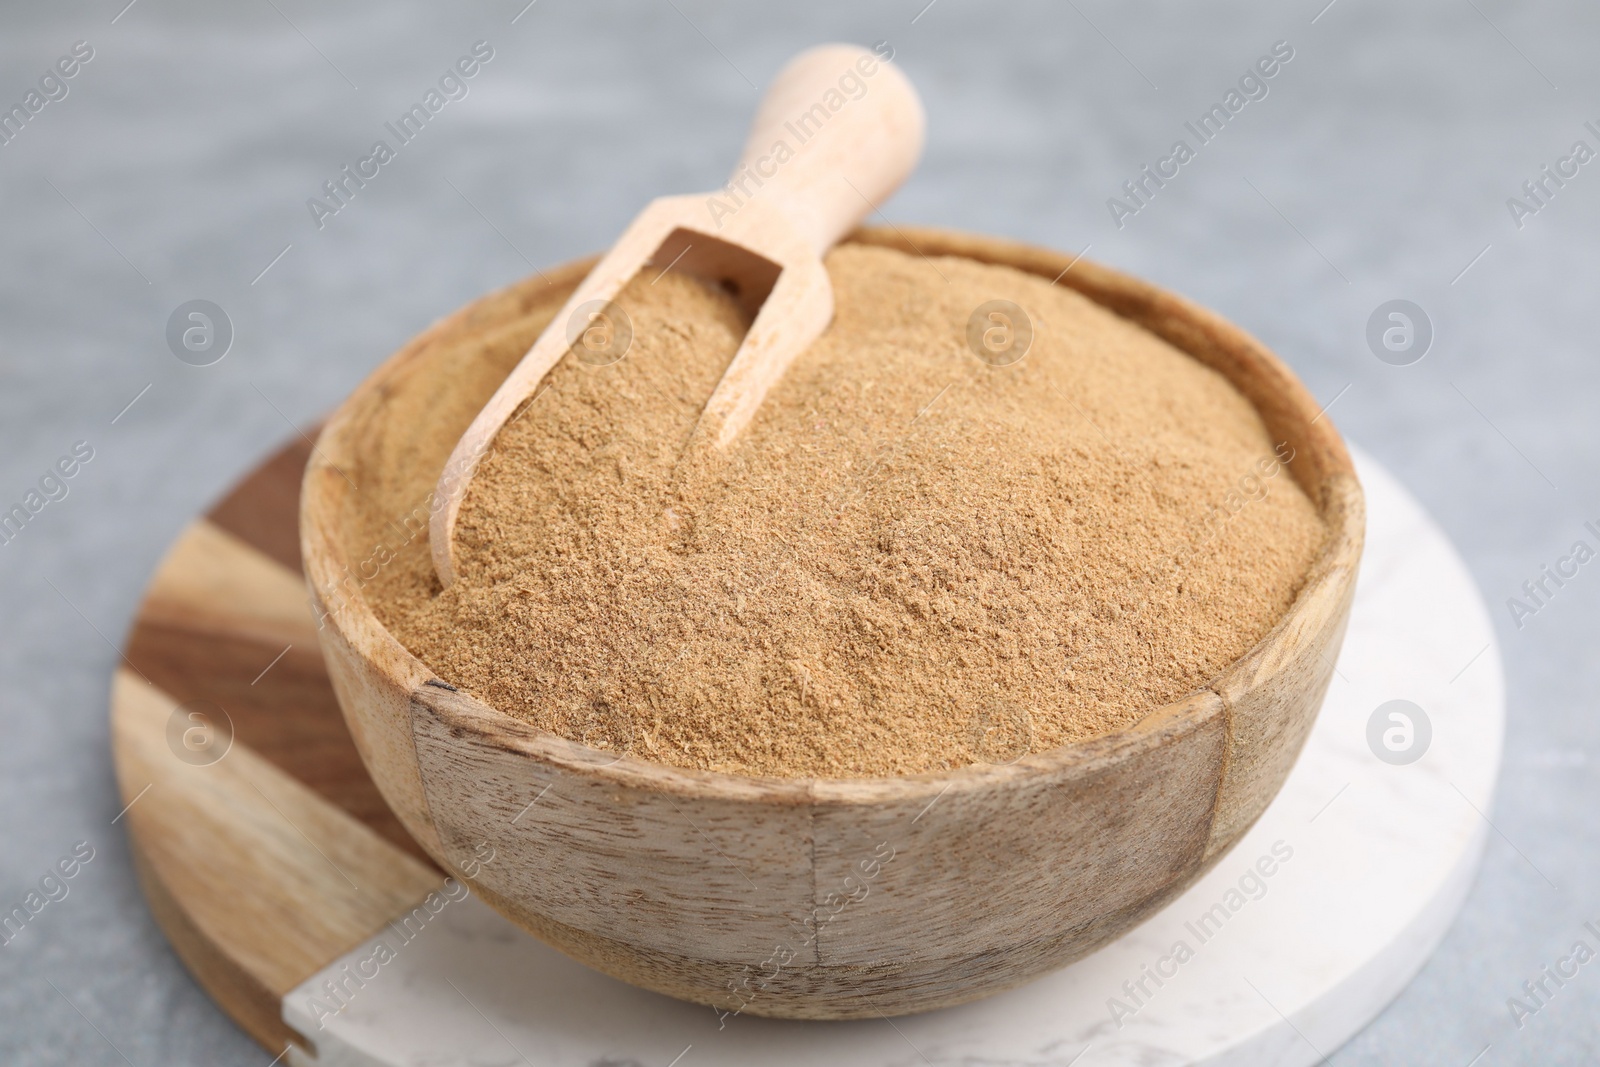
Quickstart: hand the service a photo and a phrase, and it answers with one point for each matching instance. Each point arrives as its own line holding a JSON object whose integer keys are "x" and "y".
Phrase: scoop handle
{"x": 837, "y": 132}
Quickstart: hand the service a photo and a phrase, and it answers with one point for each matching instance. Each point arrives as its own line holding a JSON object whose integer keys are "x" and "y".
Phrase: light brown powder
{"x": 911, "y": 561}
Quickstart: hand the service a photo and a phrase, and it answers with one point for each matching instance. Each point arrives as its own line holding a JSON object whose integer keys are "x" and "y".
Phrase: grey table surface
{"x": 1379, "y": 166}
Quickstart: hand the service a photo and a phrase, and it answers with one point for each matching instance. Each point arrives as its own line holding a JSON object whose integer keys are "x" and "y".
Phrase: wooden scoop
{"x": 837, "y": 132}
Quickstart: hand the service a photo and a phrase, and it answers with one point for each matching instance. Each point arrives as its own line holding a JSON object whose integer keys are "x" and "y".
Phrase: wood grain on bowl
{"x": 837, "y": 898}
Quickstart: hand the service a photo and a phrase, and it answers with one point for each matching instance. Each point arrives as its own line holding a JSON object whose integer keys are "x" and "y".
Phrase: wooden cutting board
{"x": 274, "y": 866}
{"x": 269, "y": 856}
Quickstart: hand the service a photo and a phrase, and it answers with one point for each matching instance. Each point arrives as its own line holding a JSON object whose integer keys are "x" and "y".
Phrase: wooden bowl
{"x": 818, "y": 899}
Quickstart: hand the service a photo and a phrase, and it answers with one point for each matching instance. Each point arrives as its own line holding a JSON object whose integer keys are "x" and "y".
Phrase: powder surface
{"x": 911, "y": 561}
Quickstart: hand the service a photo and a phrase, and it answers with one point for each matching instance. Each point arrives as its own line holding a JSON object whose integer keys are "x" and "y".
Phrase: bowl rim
{"x": 1327, "y": 477}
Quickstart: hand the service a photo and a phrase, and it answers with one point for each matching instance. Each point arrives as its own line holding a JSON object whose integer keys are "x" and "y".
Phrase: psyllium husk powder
{"x": 914, "y": 558}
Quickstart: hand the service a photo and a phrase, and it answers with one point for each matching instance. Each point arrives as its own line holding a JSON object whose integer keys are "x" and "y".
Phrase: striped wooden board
{"x": 265, "y": 857}
{"x": 274, "y": 866}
